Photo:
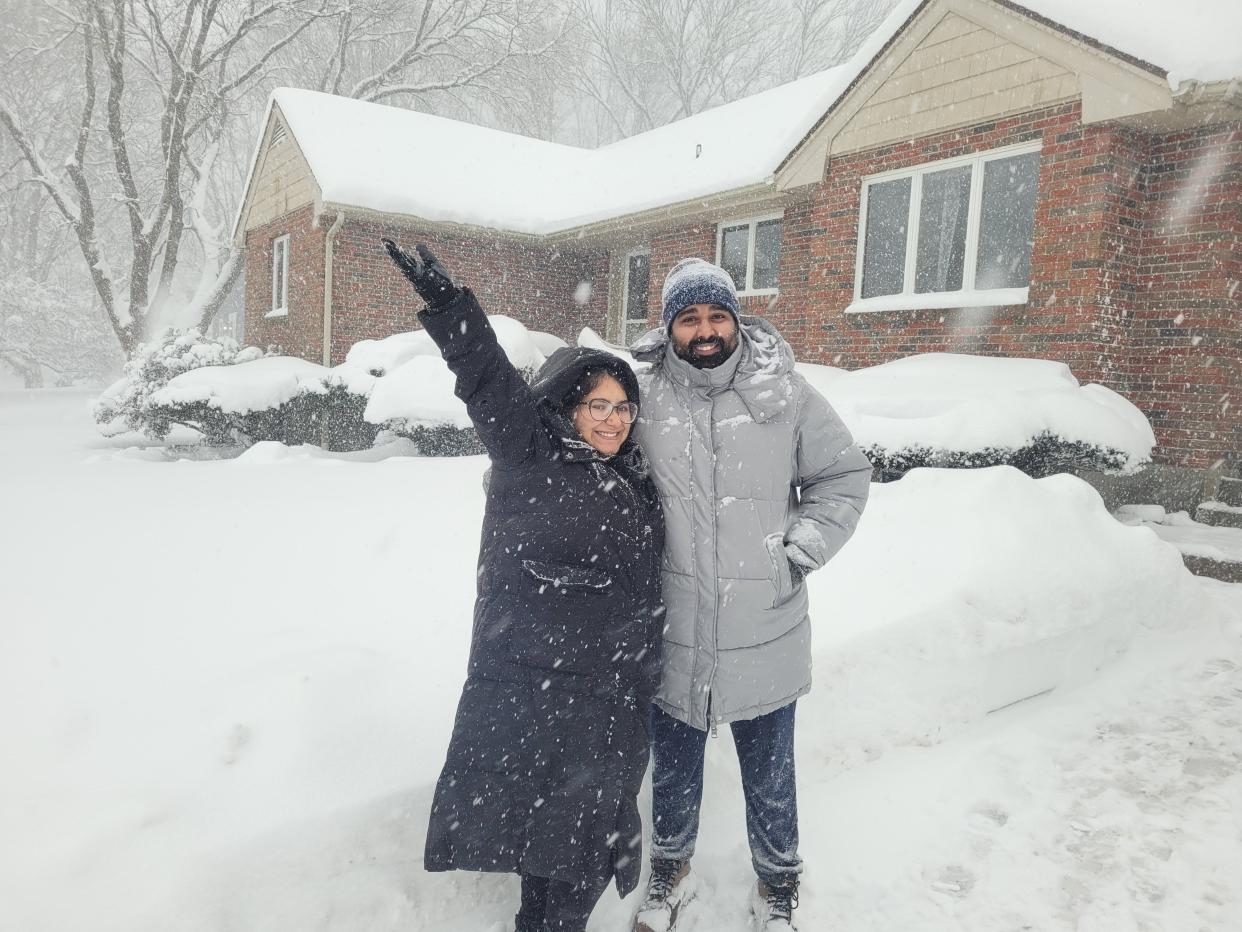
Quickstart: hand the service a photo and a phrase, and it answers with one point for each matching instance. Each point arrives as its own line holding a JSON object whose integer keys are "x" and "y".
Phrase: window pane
{"x": 278, "y": 274}
{"x": 637, "y": 283}
{"x": 633, "y": 330}
{"x": 884, "y": 253}
{"x": 943, "y": 209}
{"x": 767, "y": 254}
{"x": 734, "y": 244}
{"x": 1007, "y": 222}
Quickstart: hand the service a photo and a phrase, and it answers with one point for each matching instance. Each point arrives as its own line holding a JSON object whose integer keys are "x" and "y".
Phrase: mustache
{"x": 708, "y": 341}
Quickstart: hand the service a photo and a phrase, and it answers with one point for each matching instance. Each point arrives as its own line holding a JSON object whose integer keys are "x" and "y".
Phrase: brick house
{"x": 1034, "y": 180}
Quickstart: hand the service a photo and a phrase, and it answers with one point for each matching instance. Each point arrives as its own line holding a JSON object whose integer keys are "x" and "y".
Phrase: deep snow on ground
{"x": 226, "y": 688}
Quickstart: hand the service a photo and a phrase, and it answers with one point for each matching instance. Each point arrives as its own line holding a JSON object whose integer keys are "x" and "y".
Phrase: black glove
{"x": 796, "y": 573}
{"x": 430, "y": 279}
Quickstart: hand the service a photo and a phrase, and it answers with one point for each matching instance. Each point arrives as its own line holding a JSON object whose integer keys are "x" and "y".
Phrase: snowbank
{"x": 1185, "y": 533}
{"x": 966, "y": 590}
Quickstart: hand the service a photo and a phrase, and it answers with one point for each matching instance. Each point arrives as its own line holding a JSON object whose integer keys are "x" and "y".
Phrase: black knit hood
{"x": 557, "y": 377}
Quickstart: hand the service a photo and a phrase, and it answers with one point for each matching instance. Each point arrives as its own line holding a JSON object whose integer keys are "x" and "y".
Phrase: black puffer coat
{"x": 550, "y": 744}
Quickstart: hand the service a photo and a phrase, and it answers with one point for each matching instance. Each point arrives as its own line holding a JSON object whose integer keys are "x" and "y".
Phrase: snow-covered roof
{"x": 1190, "y": 40}
{"x": 397, "y": 161}
{"x": 403, "y": 162}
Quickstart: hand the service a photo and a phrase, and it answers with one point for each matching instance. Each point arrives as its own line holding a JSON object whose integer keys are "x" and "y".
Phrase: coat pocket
{"x": 782, "y": 580}
{"x": 560, "y": 576}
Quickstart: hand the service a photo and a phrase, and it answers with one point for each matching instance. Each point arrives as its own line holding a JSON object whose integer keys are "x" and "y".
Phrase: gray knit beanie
{"x": 697, "y": 281}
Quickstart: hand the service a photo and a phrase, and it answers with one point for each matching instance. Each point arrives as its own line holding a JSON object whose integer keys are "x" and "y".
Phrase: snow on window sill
{"x": 939, "y": 301}
{"x": 279, "y": 312}
{"x": 759, "y": 293}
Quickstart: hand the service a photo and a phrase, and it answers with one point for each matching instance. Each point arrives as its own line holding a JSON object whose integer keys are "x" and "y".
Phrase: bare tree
{"x": 652, "y": 61}
{"x": 822, "y": 33}
{"x": 139, "y": 138}
{"x": 648, "y": 62}
{"x": 158, "y": 79}
{"x": 45, "y": 330}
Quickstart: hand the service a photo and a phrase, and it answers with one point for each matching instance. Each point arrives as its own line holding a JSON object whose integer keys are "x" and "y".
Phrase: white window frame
{"x": 626, "y": 320}
{"x": 743, "y": 288}
{"x": 280, "y": 273}
{"x": 967, "y": 296}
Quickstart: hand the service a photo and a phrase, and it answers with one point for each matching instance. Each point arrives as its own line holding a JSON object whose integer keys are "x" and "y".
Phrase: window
{"x": 280, "y": 277}
{"x": 953, "y": 232}
{"x": 637, "y": 287}
{"x": 750, "y": 251}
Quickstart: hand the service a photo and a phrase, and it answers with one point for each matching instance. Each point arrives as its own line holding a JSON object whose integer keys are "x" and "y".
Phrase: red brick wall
{"x": 1119, "y": 253}
{"x": 301, "y": 332}
{"x": 1185, "y": 342}
{"x": 535, "y": 284}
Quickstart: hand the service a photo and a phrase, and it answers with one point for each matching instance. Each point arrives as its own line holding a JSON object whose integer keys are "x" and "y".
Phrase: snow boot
{"x": 668, "y": 890}
{"x": 772, "y": 907}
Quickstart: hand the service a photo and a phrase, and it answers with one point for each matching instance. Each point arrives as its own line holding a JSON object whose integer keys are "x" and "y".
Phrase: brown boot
{"x": 668, "y": 890}
{"x": 773, "y": 906}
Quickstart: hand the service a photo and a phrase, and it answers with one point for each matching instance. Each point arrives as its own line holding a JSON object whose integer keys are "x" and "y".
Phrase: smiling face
{"x": 607, "y": 435}
{"x": 704, "y": 335}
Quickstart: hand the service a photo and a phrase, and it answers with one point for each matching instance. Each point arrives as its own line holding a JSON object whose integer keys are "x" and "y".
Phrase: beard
{"x": 724, "y": 349}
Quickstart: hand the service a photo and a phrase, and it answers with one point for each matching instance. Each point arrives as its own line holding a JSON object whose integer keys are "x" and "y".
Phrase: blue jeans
{"x": 765, "y": 750}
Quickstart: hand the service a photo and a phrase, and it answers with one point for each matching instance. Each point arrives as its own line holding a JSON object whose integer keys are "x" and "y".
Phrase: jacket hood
{"x": 553, "y": 382}
{"x": 760, "y": 376}
{"x": 565, "y": 366}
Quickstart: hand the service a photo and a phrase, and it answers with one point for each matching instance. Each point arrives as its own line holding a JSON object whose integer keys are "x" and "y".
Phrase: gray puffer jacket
{"x": 747, "y": 457}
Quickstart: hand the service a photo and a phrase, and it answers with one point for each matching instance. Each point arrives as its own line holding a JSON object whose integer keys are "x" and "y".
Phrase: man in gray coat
{"x": 761, "y": 484}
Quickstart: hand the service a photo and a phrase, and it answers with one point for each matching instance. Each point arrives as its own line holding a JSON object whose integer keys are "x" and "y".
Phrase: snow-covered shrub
{"x": 413, "y": 393}
{"x": 1046, "y": 455}
{"x": 278, "y": 398}
{"x": 126, "y": 404}
{"x": 967, "y": 412}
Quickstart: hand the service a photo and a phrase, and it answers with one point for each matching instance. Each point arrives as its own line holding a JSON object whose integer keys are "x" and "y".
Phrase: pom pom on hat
{"x": 697, "y": 281}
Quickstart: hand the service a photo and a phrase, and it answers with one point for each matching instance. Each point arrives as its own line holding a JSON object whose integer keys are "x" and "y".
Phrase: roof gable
{"x": 280, "y": 179}
{"x": 957, "y": 62}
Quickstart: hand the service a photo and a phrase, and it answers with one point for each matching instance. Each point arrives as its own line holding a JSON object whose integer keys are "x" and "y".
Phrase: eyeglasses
{"x": 601, "y": 410}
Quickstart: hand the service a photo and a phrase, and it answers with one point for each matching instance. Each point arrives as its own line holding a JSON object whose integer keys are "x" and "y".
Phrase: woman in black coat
{"x": 549, "y": 745}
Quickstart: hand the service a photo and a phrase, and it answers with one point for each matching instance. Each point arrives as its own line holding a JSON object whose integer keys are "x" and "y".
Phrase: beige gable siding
{"x": 283, "y": 181}
{"x": 960, "y": 73}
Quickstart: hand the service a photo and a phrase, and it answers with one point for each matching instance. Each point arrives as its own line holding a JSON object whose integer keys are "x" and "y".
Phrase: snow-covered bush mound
{"x": 966, "y": 590}
{"x": 125, "y": 405}
{"x": 592, "y": 340}
{"x": 413, "y": 396}
{"x": 948, "y": 409}
{"x": 399, "y": 384}
{"x": 280, "y": 398}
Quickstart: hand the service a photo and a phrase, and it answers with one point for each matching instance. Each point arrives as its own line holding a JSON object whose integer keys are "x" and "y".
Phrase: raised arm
{"x": 497, "y": 398}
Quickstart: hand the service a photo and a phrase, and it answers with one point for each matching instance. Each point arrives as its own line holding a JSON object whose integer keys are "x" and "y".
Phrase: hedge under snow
{"x": 950, "y": 409}
{"x": 934, "y": 409}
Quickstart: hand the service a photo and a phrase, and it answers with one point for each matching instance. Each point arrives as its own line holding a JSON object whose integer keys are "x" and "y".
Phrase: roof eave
{"x": 662, "y": 215}
{"x": 624, "y": 223}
